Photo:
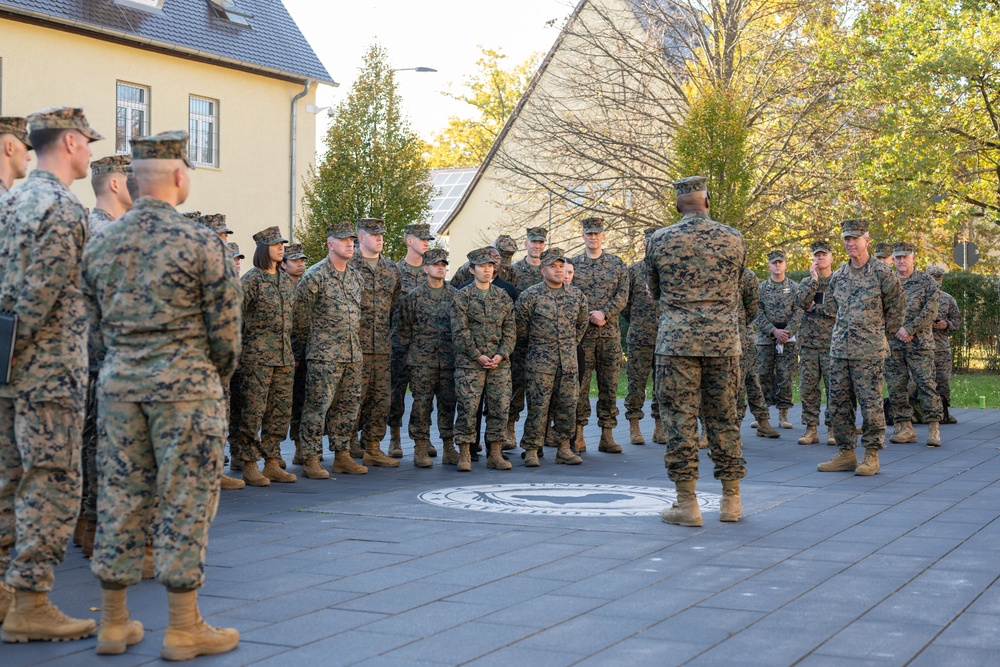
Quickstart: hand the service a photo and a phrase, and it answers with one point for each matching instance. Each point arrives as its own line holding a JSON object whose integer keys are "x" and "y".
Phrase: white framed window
{"x": 131, "y": 115}
{"x": 203, "y": 126}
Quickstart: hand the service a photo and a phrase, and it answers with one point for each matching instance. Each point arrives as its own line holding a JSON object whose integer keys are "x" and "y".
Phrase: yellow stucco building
{"x": 236, "y": 74}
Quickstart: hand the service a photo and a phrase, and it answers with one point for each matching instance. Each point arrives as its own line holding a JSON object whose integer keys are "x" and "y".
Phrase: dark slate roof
{"x": 274, "y": 43}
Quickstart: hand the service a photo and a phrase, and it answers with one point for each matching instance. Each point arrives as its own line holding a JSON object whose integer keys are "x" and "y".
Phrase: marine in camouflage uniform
{"x": 749, "y": 391}
{"x": 642, "y": 315}
{"x": 603, "y": 279}
{"x": 14, "y": 151}
{"x": 911, "y": 352}
{"x": 483, "y": 333}
{"x": 217, "y": 223}
{"x": 411, "y": 275}
{"x": 526, "y": 274}
{"x": 815, "y": 331}
{"x": 694, "y": 269}
{"x": 380, "y": 290}
{"x": 552, "y": 317}
{"x": 506, "y": 246}
{"x": 949, "y": 319}
{"x": 267, "y": 367}
{"x": 293, "y": 252}
{"x": 424, "y": 330}
{"x": 326, "y": 326}
{"x": 867, "y": 301}
{"x": 776, "y": 312}
{"x": 42, "y": 404}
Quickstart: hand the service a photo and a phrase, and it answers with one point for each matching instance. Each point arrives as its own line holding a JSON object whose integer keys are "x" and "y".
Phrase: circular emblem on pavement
{"x": 562, "y": 499}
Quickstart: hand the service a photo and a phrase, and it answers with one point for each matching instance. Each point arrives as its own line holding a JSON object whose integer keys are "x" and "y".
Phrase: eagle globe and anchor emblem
{"x": 562, "y": 499}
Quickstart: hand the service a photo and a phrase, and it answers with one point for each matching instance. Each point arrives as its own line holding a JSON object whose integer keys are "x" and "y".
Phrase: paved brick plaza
{"x": 824, "y": 569}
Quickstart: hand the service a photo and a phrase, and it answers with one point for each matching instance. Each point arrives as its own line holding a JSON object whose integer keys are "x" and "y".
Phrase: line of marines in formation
{"x": 184, "y": 353}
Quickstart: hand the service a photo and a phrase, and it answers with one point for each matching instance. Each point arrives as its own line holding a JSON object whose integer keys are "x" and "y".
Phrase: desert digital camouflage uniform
{"x": 749, "y": 391}
{"x": 777, "y": 311}
{"x": 869, "y": 306}
{"x": 694, "y": 269}
{"x": 167, "y": 301}
{"x": 553, "y": 322}
{"x": 424, "y": 330}
{"x": 604, "y": 281}
{"x": 42, "y": 406}
{"x": 949, "y": 314}
{"x": 525, "y": 275}
{"x": 380, "y": 281}
{"x": 643, "y": 316}
{"x": 326, "y": 326}
{"x": 267, "y": 366}
{"x": 98, "y": 220}
{"x": 815, "y": 331}
{"x": 915, "y": 358}
{"x": 482, "y": 323}
{"x": 294, "y": 251}
{"x": 410, "y": 277}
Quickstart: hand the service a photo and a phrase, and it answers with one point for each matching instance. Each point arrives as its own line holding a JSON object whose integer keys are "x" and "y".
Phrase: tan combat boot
{"x": 355, "y": 447}
{"x": 117, "y": 631}
{"x": 844, "y": 461}
{"x": 148, "y": 567}
{"x": 811, "y": 437}
{"x": 32, "y": 617}
{"x": 450, "y": 455}
{"x": 432, "y": 452}
{"x": 273, "y": 472}
{"x": 231, "y": 483}
{"x": 783, "y": 418}
{"x": 903, "y": 432}
{"x": 298, "y": 459}
{"x": 755, "y": 423}
{"x": 731, "y": 506}
{"x": 567, "y": 455}
{"x": 685, "y": 510}
{"x": 831, "y": 439}
{"x": 496, "y": 459}
{"x": 511, "y": 441}
{"x": 281, "y": 463}
{"x": 6, "y": 598}
{"x": 420, "y": 457}
{"x": 659, "y": 435}
{"x": 395, "y": 445}
{"x": 869, "y": 465}
{"x": 933, "y": 434}
{"x": 608, "y": 443}
{"x": 531, "y": 458}
{"x": 635, "y": 433}
{"x": 343, "y": 464}
{"x": 764, "y": 428}
{"x": 581, "y": 446}
{"x": 312, "y": 469}
{"x": 465, "y": 458}
{"x": 188, "y": 635}
{"x": 374, "y": 456}
{"x": 89, "y": 534}
{"x": 252, "y": 476}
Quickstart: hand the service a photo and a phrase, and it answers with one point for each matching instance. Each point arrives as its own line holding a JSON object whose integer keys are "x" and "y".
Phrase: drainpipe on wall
{"x": 291, "y": 170}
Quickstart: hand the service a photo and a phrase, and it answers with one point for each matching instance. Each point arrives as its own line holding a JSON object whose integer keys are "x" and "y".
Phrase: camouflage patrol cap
{"x": 592, "y": 225}
{"x": 537, "y": 234}
{"x": 162, "y": 146}
{"x": 17, "y": 126}
{"x": 435, "y": 255}
{"x": 775, "y": 255}
{"x": 820, "y": 246}
{"x": 480, "y": 256}
{"x": 505, "y": 245}
{"x": 192, "y": 215}
{"x": 903, "y": 249}
{"x": 341, "y": 230}
{"x": 294, "y": 251}
{"x": 270, "y": 236}
{"x": 63, "y": 118}
{"x": 551, "y": 256}
{"x": 371, "y": 225}
{"x": 691, "y": 184}
{"x": 419, "y": 229}
{"x": 216, "y": 222}
{"x": 113, "y": 164}
{"x": 936, "y": 272}
{"x": 234, "y": 251}
{"x": 883, "y": 250}
{"x": 853, "y": 228}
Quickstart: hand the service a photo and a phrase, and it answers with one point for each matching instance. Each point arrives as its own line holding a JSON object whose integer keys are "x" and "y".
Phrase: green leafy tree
{"x": 373, "y": 165}
{"x": 494, "y": 92}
